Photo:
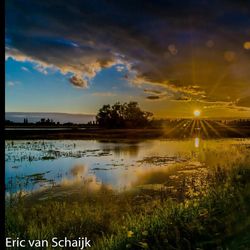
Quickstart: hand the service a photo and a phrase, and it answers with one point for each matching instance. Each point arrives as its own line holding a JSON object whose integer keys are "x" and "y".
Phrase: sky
{"x": 172, "y": 57}
{"x": 34, "y": 117}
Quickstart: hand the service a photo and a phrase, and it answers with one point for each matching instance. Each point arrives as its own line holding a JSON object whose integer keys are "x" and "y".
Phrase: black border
{"x": 2, "y": 134}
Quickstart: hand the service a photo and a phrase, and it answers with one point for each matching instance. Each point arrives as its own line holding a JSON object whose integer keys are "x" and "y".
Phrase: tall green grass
{"x": 214, "y": 216}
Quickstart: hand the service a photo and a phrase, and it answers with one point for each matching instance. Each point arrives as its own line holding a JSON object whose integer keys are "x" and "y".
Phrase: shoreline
{"x": 109, "y": 134}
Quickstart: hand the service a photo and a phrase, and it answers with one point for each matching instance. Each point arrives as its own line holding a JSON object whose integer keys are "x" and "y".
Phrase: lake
{"x": 34, "y": 165}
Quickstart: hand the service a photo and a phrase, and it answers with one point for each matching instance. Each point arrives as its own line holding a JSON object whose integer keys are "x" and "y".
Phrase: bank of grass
{"x": 220, "y": 220}
{"x": 216, "y": 216}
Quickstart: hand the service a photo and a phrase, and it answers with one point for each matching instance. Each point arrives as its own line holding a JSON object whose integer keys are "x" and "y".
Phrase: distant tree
{"x": 8, "y": 122}
{"x": 127, "y": 115}
{"x": 47, "y": 121}
{"x": 68, "y": 124}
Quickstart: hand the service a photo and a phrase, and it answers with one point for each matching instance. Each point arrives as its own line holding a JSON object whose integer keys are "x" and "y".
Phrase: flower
{"x": 130, "y": 234}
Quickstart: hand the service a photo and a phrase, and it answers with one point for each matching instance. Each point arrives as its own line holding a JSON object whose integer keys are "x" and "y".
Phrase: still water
{"x": 32, "y": 165}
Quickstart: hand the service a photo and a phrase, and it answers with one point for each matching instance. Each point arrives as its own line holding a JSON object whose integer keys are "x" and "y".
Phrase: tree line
{"x": 126, "y": 115}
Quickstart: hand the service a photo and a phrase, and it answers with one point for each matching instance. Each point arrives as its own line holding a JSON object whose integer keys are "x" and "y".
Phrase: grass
{"x": 221, "y": 219}
{"x": 208, "y": 210}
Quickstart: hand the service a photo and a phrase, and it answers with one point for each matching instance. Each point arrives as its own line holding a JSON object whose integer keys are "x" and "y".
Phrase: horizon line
{"x": 158, "y": 118}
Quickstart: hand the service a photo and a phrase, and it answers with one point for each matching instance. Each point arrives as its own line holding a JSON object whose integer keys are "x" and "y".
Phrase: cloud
{"x": 41, "y": 69}
{"x": 25, "y": 69}
{"x": 78, "y": 82}
{"x": 12, "y": 83}
{"x": 153, "y": 97}
{"x": 120, "y": 68}
{"x": 243, "y": 109}
{"x": 83, "y": 68}
{"x": 153, "y": 91}
{"x": 183, "y": 98}
{"x": 79, "y": 170}
{"x": 196, "y": 49}
{"x": 244, "y": 102}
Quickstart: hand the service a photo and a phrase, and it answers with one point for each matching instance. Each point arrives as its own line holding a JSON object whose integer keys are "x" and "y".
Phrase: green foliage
{"x": 217, "y": 219}
{"x": 127, "y": 115}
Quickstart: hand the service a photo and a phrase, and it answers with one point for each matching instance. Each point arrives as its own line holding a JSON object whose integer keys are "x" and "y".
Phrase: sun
{"x": 197, "y": 113}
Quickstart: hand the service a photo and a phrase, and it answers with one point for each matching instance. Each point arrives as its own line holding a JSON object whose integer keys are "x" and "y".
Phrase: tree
{"x": 127, "y": 115}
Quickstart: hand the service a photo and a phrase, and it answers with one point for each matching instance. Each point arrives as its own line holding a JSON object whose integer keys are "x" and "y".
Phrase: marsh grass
{"x": 217, "y": 220}
{"x": 214, "y": 215}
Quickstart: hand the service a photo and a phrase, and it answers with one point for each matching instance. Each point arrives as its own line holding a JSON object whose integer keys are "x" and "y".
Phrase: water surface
{"x": 33, "y": 165}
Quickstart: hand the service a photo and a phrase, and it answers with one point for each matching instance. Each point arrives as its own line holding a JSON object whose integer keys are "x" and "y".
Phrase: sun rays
{"x": 200, "y": 127}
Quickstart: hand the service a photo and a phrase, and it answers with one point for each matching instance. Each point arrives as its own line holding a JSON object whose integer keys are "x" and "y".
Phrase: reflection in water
{"x": 131, "y": 150}
{"x": 153, "y": 175}
{"x": 79, "y": 170}
{"x": 89, "y": 183}
{"x": 161, "y": 174}
{"x": 80, "y": 179}
{"x": 122, "y": 149}
{"x": 30, "y": 165}
{"x": 197, "y": 142}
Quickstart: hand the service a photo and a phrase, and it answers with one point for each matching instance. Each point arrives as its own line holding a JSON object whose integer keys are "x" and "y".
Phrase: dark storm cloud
{"x": 153, "y": 97}
{"x": 78, "y": 82}
{"x": 187, "y": 47}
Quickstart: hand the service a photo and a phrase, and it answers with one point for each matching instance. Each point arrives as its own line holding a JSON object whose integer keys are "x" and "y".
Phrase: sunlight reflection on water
{"x": 197, "y": 142}
{"x": 32, "y": 165}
